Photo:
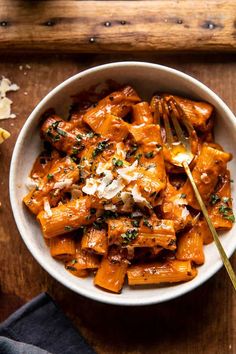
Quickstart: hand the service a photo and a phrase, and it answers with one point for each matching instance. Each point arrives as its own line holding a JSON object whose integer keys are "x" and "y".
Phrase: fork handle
{"x": 211, "y": 227}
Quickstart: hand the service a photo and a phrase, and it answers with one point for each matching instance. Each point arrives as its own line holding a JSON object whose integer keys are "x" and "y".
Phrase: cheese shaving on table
{"x": 5, "y": 103}
{"x": 4, "y": 134}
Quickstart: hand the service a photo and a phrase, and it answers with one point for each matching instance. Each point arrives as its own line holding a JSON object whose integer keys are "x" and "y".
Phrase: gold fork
{"x": 181, "y": 155}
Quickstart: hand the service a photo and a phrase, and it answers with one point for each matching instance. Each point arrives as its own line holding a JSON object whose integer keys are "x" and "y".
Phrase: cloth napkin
{"x": 39, "y": 327}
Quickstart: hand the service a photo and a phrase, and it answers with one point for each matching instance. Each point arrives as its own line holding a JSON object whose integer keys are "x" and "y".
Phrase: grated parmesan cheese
{"x": 110, "y": 206}
{"x": 185, "y": 213}
{"x": 90, "y": 186}
{"x": 138, "y": 198}
{"x": 130, "y": 173}
{"x": 112, "y": 189}
{"x": 63, "y": 184}
{"x": 46, "y": 207}
{"x": 31, "y": 183}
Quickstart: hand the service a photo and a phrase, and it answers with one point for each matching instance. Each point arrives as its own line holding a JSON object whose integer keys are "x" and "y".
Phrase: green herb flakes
{"x": 149, "y": 154}
{"x": 183, "y": 195}
{"x": 226, "y": 212}
{"x": 100, "y": 148}
{"x": 129, "y": 236}
{"x": 50, "y": 176}
{"x": 68, "y": 228}
{"x": 117, "y": 162}
{"x": 135, "y": 223}
{"x": 214, "y": 198}
{"x": 61, "y": 132}
{"x": 147, "y": 223}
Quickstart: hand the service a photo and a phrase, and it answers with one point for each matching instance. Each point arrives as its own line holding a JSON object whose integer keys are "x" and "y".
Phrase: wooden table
{"x": 202, "y": 321}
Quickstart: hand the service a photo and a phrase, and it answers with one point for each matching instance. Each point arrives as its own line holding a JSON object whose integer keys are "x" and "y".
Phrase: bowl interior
{"x": 146, "y": 79}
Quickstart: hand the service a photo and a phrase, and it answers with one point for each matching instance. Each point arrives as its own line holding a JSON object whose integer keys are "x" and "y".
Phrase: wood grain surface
{"x": 202, "y": 321}
{"x": 108, "y": 26}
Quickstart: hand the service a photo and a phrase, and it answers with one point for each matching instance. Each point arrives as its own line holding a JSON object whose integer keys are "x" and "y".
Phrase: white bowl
{"x": 146, "y": 79}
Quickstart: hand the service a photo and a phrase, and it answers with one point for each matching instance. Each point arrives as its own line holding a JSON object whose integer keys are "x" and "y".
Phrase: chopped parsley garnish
{"x": 50, "y": 176}
{"x": 226, "y": 213}
{"x": 129, "y": 236}
{"x": 74, "y": 261}
{"x": 214, "y": 198}
{"x": 138, "y": 157}
{"x": 98, "y": 224}
{"x": 92, "y": 211}
{"x": 75, "y": 151}
{"x": 79, "y": 137}
{"x": 110, "y": 214}
{"x": 132, "y": 151}
{"x": 152, "y": 165}
{"x": 49, "y": 133}
{"x": 183, "y": 195}
{"x": 117, "y": 162}
{"x": 231, "y": 180}
{"x": 55, "y": 124}
{"x": 70, "y": 268}
{"x": 68, "y": 228}
{"x": 100, "y": 148}
{"x": 149, "y": 154}
{"x": 135, "y": 223}
{"x": 61, "y": 132}
{"x": 147, "y": 223}
{"x": 56, "y": 138}
{"x": 225, "y": 199}
{"x": 230, "y": 217}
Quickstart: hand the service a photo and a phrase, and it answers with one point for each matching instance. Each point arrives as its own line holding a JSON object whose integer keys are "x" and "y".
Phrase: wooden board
{"x": 108, "y": 26}
{"x": 201, "y": 322}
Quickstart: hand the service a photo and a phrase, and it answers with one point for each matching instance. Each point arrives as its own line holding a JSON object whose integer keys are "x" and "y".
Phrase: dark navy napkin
{"x": 39, "y": 327}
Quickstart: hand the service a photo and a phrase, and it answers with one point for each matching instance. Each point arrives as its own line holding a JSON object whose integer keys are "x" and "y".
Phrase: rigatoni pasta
{"x": 110, "y": 202}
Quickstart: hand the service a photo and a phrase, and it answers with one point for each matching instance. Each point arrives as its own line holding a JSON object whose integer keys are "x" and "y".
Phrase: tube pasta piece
{"x": 220, "y": 206}
{"x": 190, "y": 246}
{"x": 147, "y": 134}
{"x": 142, "y": 113}
{"x": 62, "y": 247}
{"x": 82, "y": 260}
{"x": 204, "y": 232}
{"x": 60, "y": 178}
{"x": 172, "y": 271}
{"x": 174, "y": 207}
{"x": 66, "y": 217}
{"x": 44, "y": 163}
{"x": 117, "y": 103}
{"x": 151, "y": 160}
{"x": 111, "y": 274}
{"x": 210, "y": 164}
{"x": 148, "y": 234}
{"x": 95, "y": 240}
{"x": 197, "y": 113}
{"x": 65, "y": 137}
{"x": 113, "y": 128}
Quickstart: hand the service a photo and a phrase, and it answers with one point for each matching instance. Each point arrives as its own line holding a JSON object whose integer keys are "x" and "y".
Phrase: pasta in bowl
{"x": 109, "y": 201}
